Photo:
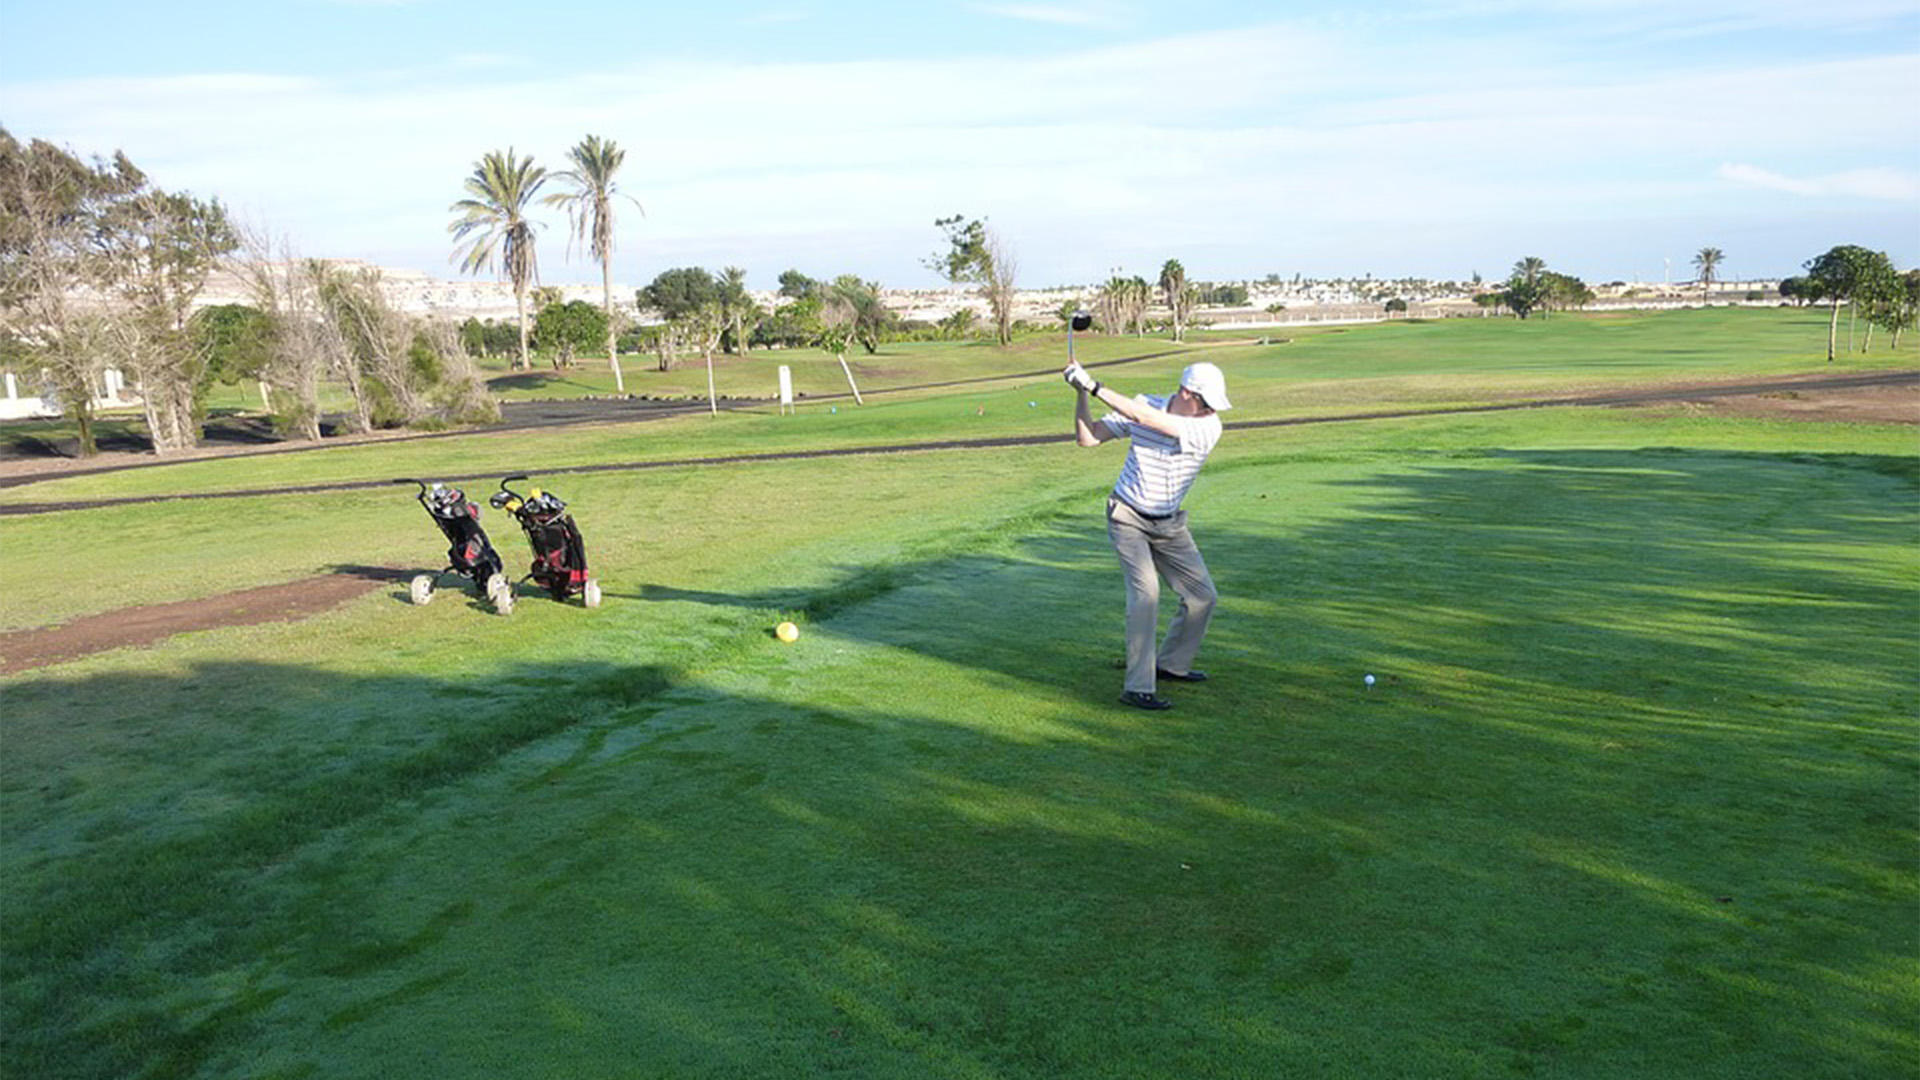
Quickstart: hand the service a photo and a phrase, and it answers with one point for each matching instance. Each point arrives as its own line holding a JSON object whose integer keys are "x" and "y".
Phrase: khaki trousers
{"x": 1150, "y": 548}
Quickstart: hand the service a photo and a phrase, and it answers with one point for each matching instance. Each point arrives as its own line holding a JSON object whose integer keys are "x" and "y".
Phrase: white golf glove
{"x": 1078, "y": 378}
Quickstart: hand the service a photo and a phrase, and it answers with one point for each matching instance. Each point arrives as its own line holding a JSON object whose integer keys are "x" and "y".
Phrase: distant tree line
{"x": 1864, "y": 281}
{"x": 100, "y": 270}
{"x": 1532, "y": 289}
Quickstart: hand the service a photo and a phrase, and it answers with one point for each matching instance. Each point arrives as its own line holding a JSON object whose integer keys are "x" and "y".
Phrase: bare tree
{"x": 669, "y": 341}
{"x": 296, "y": 351}
{"x": 460, "y": 393}
{"x": 1001, "y": 273}
{"x": 379, "y": 344}
{"x": 977, "y": 255}
{"x": 705, "y": 327}
{"x": 837, "y": 327}
{"x": 160, "y": 249}
{"x": 398, "y": 368}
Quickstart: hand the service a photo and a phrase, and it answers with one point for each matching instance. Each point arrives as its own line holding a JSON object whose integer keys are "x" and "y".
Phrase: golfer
{"x": 1171, "y": 437}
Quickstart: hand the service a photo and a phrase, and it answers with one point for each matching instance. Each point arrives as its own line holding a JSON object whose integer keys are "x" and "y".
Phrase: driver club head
{"x": 1081, "y": 321}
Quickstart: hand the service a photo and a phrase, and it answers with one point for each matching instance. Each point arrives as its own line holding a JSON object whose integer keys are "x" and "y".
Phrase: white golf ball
{"x": 1369, "y": 680}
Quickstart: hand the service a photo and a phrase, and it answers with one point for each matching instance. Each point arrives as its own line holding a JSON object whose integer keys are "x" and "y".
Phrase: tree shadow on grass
{"x": 536, "y": 380}
{"x": 387, "y": 574}
{"x": 45, "y": 438}
{"x": 447, "y": 586}
{"x": 1553, "y": 840}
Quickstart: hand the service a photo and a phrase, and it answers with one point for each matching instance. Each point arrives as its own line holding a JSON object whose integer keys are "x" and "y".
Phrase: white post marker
{"x": 786, "y": 389}
{"x": 13, "y": 390}
{"x": 266, "y": 399}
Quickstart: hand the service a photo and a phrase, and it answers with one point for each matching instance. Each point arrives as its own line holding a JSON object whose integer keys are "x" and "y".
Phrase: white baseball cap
{"x": 1206, "y": 380}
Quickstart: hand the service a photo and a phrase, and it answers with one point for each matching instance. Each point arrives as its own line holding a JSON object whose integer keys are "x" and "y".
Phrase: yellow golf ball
{"x": 786, "y": 631}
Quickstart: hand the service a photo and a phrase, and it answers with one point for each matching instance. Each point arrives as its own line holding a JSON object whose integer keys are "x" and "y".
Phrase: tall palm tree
{"x": 1173, "y": 282}
{"x": 1529, "y": 269}
{"x": 589, "y": 207}
{"x": 493, "y": 229}
{"x": 1708, "y": 260}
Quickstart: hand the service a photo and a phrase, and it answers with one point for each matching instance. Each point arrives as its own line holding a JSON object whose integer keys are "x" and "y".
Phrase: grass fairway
{"x": 1634, "y": 795}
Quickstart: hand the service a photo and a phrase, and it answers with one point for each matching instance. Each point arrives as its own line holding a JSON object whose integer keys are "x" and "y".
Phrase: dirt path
{"x": 1879, "y": 397}
{"x": 21, "y": 650}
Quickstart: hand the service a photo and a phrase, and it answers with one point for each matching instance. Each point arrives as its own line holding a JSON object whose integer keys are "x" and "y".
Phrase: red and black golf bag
{"x": 469, "y": 553}
{"x": 559, "y": 554}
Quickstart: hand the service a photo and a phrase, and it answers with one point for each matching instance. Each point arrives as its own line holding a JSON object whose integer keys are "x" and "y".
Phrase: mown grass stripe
{"x": 1599, "y": 400}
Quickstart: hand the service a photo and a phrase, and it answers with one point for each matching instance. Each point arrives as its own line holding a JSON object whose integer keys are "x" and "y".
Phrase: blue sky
{"x": 1612, "y": 139}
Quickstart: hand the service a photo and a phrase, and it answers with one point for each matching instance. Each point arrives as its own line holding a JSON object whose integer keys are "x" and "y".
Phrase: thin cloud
{"x": 485, "y": 61}
{"x": 1051, "y": 14}
{"x": 774, "y": 18}
{"x": 1887, "y": 184}
{"x": 1640, "y": 16}
{"x": 1256, "y": 147}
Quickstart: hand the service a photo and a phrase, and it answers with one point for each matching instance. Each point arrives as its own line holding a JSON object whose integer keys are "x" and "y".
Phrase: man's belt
{"x": 1150, "y": 517}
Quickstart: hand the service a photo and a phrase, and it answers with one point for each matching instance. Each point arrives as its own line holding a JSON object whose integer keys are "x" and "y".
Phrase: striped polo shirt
{"x": 1160, "y": 468}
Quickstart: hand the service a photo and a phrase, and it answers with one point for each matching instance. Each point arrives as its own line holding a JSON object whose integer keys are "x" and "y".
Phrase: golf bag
{"x": 469, "y": 553}
{"x": 559, "y": 554}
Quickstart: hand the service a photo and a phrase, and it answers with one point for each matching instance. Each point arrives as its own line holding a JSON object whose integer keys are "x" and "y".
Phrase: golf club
{"x": 1079, "y": 320}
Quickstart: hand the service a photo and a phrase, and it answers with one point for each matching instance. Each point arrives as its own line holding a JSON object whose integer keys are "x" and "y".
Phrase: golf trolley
{"x": 559, "y": 554}
{"x": 469, "y": 554}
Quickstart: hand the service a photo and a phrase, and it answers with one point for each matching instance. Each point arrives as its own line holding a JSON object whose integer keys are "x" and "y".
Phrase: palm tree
{"x": 1173, "y": 282}
{"x": 735, "y": 304}
{"x": 589, "y": 207}
{"x": 495, "y": 218}
{"x": 1525, "y": 287}
{"x": 1708, "y": 260}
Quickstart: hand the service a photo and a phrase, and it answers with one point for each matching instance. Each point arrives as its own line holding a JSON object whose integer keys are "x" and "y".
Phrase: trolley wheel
{"x": 500, "y": 593}
{"x": 420, "y": 589}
